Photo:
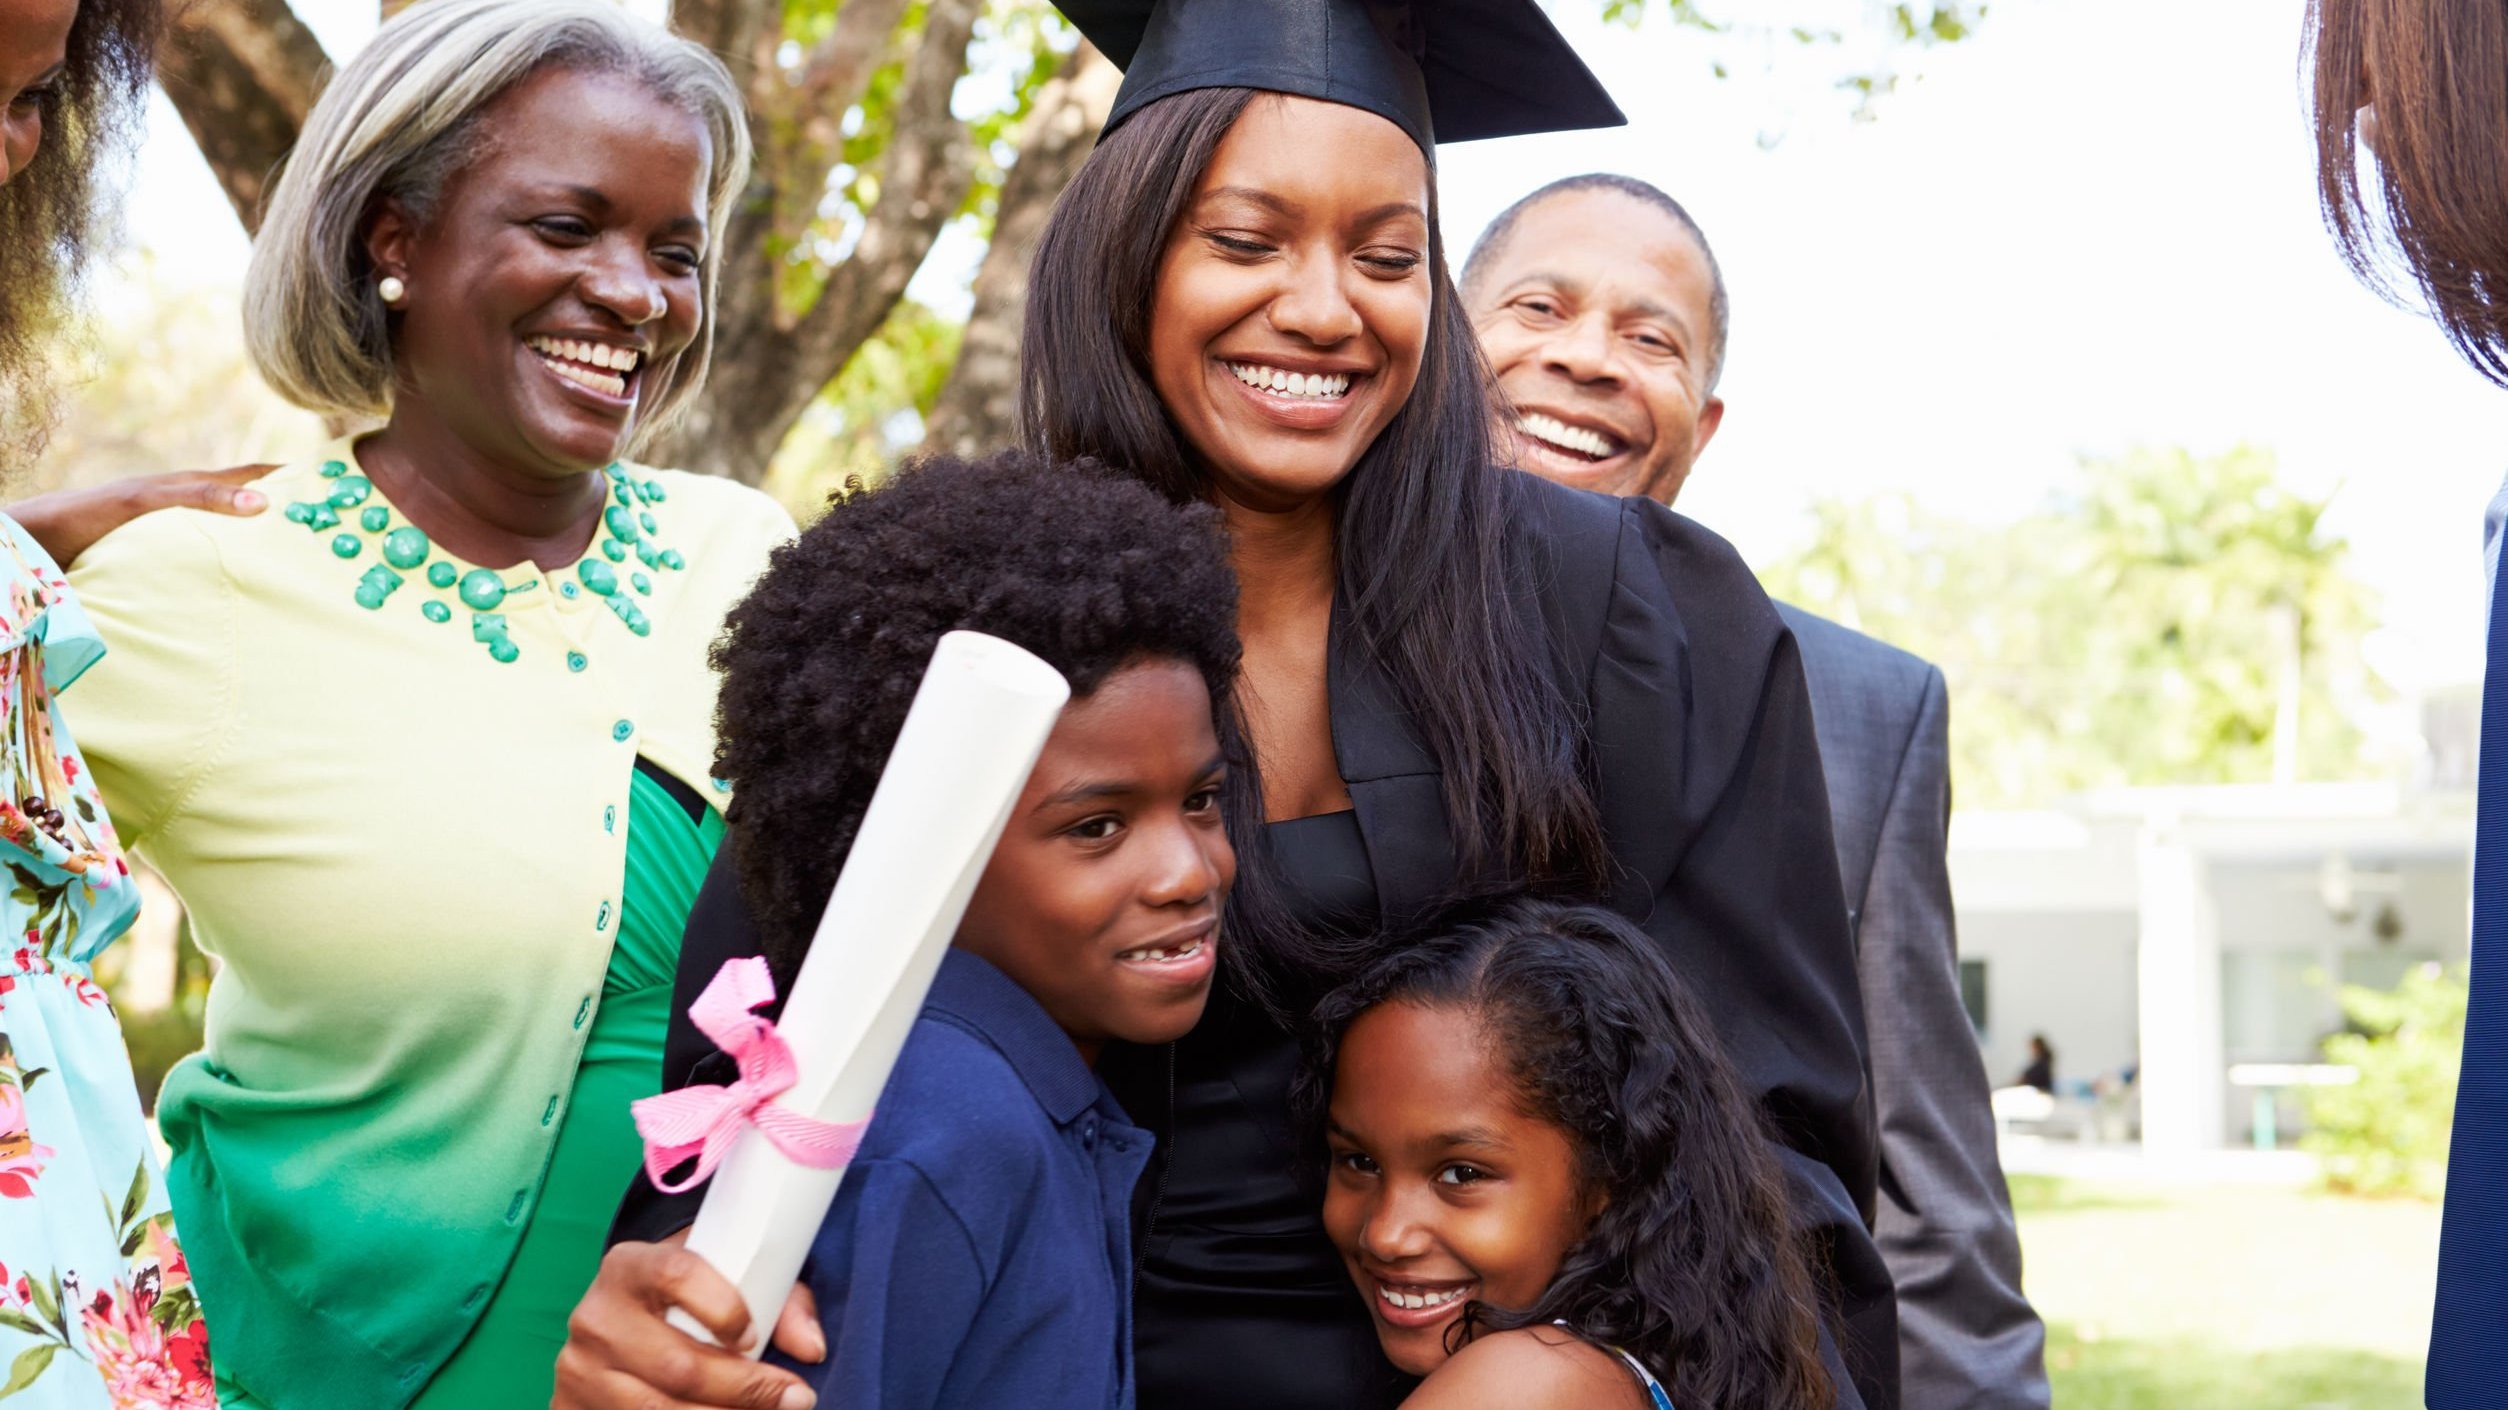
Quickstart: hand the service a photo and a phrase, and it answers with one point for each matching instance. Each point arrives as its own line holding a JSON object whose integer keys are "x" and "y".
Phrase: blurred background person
{"x": 2040, "y": 1073}
{"x": 426, "y": 752}
{"x": 1604, "y": 314}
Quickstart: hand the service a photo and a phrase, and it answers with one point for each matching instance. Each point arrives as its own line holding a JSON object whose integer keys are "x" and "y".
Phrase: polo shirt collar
{"x": 983, "y": 1000}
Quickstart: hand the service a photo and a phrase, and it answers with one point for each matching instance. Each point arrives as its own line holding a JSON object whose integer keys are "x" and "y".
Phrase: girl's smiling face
{"x": 1291, "y": 309}
{"x": 1442, "y": 1191}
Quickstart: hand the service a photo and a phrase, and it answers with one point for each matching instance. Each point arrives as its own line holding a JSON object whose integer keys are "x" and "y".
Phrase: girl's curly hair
{"x": 1696, "y": 1265}
{"x": 1089, "y": 569}
{"x": 53, "y": 214}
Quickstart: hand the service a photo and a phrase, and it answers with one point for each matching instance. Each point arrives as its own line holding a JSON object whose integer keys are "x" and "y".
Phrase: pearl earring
{"x": 391, "y": 288}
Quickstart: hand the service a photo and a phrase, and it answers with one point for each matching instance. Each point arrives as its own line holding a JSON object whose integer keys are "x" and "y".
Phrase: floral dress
{"x": 96, "y": 1305}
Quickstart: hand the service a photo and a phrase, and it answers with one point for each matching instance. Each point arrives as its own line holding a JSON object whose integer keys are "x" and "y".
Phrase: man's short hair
{"x": 1719, "y": 304}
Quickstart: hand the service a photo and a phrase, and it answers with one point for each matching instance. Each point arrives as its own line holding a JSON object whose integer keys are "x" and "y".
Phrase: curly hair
{"x": 1696, "y": 1264}
{"x": 54, "y": 214}
{"x": 1089, "y": 569}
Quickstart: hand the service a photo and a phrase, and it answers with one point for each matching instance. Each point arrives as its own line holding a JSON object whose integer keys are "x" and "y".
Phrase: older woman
{"x": 425, "y": 749}
{"x": 96, "y": 1307}
{"x": 1457, "y": 678}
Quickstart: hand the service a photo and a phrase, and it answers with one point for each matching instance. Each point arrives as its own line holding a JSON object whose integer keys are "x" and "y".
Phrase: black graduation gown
{"x": 1714, "y": 807}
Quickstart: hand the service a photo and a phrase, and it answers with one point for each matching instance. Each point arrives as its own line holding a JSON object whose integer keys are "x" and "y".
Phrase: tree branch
{"x": 742, "y": 33}
{"x": 243, "y": 73}
{"x": 923, "y": 176}
{"x": 923, "y": 179}
{"x": 978, "y": 405}
{"x": 837, "y": 70}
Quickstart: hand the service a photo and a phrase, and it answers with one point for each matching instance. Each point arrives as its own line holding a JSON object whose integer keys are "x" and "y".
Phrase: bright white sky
{"x": 2091, "y": 227}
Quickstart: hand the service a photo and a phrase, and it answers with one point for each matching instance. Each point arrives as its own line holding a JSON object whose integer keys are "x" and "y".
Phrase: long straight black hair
{"x": 1427, "y": 581}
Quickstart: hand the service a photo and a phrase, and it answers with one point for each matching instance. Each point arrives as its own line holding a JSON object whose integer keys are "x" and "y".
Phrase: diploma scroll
{"x": 978, "y": 722}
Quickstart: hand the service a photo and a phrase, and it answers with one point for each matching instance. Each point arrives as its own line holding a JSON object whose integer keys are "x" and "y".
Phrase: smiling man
{"x": 1603, "y": 314}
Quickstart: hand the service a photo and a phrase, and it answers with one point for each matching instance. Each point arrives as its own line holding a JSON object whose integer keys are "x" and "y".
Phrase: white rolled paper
{"x": 978, "y": 722}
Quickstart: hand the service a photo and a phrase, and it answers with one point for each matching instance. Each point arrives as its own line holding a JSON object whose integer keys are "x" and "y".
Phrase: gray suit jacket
{"x": 1967, "y": 1337}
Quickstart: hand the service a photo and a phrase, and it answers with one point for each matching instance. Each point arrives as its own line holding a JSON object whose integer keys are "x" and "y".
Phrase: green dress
{"x": 510, "y": 1357}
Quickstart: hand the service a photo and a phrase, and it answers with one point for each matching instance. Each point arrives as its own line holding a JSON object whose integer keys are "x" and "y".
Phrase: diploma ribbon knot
{"x": 703, "y": 1121}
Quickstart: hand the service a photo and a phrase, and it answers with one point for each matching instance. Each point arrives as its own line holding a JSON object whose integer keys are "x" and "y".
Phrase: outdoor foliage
{"x": 2387, "y": 1133}
{"x": 2173, "y": 619}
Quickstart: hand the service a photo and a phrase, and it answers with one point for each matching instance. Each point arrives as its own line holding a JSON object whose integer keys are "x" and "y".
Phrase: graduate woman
{"x": 1457, "y": 678}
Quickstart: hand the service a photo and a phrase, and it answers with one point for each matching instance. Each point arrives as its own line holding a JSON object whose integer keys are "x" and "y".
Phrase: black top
{"x": 1713, "y": 803}
{"x": 1441, "y": 70}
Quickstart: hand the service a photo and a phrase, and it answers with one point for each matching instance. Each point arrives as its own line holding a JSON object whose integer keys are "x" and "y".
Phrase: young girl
{"x": 1545, "y": 1181}
{"x": 978, "y": 1252}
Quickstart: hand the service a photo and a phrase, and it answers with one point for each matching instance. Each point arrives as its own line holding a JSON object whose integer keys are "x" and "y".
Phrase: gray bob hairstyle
{"x": 396, "y": 124}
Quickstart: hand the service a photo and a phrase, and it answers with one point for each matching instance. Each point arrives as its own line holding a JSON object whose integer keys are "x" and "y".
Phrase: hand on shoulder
{"x": 1532, "y": 1368}
{"x": 68, "y": 522}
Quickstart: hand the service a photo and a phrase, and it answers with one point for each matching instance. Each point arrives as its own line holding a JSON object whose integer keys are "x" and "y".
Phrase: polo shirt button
{"x": 609, "y": 818}
{"x": 550, "y": 1114}
{"x": 582, "y": 1012}
{"x": 1088, "y": 1133}
{"x": 622, "y": 729}
{"x": 514, "y": 1207}
{"x": 602, "y": 920}
{"x": 477, "y": 1295}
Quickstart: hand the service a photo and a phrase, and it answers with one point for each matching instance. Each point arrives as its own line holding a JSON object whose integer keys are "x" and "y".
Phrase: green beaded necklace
{"x": 630, "y": 525}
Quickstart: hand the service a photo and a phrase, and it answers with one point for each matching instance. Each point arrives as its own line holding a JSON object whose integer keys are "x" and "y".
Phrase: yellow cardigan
{"x": 391, "y": 789}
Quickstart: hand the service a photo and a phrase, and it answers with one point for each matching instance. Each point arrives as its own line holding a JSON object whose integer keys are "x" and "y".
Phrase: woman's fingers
{"x": 68, "y": 522}
{"x": 617, "y": 1391}
{"x": 621, "y": 1355}
{"x": 797, "y": 1332}
{"x": 664, "y": 1276}
{"x": 218, "y": 491}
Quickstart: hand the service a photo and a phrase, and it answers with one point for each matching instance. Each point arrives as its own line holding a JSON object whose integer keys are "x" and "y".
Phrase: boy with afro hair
{"x": 978, "y": 1252}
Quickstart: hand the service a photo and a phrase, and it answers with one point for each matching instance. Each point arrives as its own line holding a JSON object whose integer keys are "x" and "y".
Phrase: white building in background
{"x": 2171, "y": 934}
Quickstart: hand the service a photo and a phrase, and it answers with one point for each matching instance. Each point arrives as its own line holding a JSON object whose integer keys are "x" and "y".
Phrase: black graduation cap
{"x": 1478, "y": 68}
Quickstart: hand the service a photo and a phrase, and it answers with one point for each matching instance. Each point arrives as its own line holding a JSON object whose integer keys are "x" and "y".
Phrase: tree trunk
{"x": 243, "y": 73}
{"x": 770, "y": 367}
{"x": 978, "y": 408}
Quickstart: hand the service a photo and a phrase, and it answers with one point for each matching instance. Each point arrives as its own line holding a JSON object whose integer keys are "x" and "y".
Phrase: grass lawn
{"x": 2206, "y": 1298}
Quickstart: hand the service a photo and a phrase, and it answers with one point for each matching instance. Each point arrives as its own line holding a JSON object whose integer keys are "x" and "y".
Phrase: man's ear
{"x": 390, "y": 236}
{"x": 1710, "y": 416}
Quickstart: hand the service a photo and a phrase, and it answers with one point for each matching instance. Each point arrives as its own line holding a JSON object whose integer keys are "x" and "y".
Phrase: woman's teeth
{"x": 596, "y": 366}
{"x": 1292, "y": 384}
{"x": 1415, "y": 1301}
{"x": 1151, "y": 956}
{"x": 1552, "y": 431}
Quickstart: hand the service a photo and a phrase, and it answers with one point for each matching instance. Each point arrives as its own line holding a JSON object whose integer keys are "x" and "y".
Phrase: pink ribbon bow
{"x": 702, "y": 1121}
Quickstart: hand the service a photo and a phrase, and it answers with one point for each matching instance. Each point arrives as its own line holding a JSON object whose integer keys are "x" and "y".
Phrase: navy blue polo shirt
{"x": 979, "y": 1252}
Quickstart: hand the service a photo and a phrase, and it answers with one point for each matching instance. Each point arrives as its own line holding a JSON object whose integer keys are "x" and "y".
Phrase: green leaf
{"x": 27, "y": 1078}
{"x": 131, "y": 1238}
{"x": 17, "y": 1321}
{"x": 45, "y": 1300}
{"x": 30, "y": 1363}
{"x": 138, "y": 1195}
